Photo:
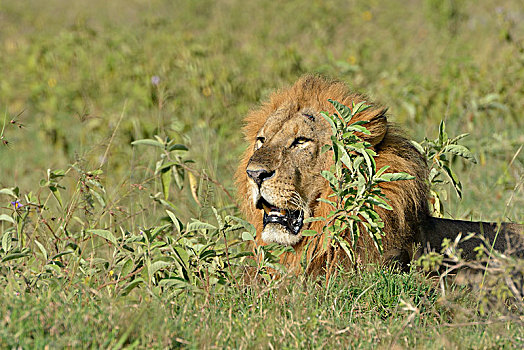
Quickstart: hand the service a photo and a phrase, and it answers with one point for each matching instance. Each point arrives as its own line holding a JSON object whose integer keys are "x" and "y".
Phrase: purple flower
{"x": 155, "y": 80}
{"x": 17, "y": 204}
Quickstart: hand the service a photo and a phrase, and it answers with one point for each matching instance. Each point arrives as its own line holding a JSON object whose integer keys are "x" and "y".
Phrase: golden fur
{"x": 295, "y": 172}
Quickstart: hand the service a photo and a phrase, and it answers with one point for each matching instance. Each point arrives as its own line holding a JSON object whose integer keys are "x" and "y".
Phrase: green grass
{"x": 76, "y": 79}
{"x": 379, "y": 309}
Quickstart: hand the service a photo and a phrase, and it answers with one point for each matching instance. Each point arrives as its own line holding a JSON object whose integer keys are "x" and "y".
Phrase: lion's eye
{"x": 301, "y": 142}
{"x": 259, "y": 142}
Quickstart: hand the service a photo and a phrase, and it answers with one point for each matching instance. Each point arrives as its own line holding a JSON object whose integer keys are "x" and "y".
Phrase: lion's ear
{"x": 377, "y": 126}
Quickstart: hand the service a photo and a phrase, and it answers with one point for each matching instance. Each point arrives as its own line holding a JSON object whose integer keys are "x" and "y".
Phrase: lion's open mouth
{"x": 292, "y": 220}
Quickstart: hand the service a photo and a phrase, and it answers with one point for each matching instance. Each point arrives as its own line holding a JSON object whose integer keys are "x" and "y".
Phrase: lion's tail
{"x": 504, "y": 237}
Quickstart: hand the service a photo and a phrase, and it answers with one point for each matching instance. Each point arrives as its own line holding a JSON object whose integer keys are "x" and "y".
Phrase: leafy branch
{"x": 354, "y": 180}
{"x": 439, "y": 153}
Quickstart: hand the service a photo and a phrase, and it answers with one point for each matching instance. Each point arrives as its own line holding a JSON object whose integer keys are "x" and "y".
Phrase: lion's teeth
{"x": 273, "y": 211}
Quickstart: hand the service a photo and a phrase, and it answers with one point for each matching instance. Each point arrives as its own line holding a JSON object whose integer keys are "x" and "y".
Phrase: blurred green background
{"x": 192, "y": 69}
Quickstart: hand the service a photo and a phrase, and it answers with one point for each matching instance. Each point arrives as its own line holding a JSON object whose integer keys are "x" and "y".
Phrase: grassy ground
{"x": 83, "y": 80}
{"x": 378, "y": 309}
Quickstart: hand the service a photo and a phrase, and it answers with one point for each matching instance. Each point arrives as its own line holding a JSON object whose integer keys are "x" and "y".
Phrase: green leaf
{"x": 309, "y": 233}
{"x": 165, "y": 177}
{"x": 459, "y": 137}
{"x": 179, "y": 177}
{"x": 339, "y": 123}
{"x": 5, "y": 217}
{"x": 183, "y": 255}
{"x": 98, "y": 197}
{"x": 369, "y": 219}
{"x": 388, "y": 177}
{"x": 345, "y": 158}
{"x": 379, "y": 202}
{"x": 159, "y": 139}
{"x": 347, "y": 248}
{"x": 179, "y": 284}
{"x": 62, "y": 254}
{"x": 358, "y": 128}
{"x": 131, "y": 285}
{"x": 42, "y": 249}
{"x": 246, "y": 236}
{"x": 330, "y": 121}
{"x": 177, "y": 147}
{"x": 158, "y": 265}
{"x": 330, "y": 177}
{"x": 104, "y": 234}
{"x": 127, "y": 268}
{"x": 357, "y": 162}
{"x": 174, "y": 219}
{"x": 196, "y": 225}
{"x": 6, "y": 242}
{"x": 370, "y": 162}
{"x": 360, "y": 107}
{"x": 377, "y": 240}
{"x": 219, "y": 218}
{"x": 206, "y": 254}
{"x": 248, "y": 226}
{"x": 357, "y": 147}
{"x": 343, "y": 111}
{"x": 418, "y": 146}
{"x": 382, "y": 170}
{"x": 460, "y": 150}
{"x": 8, "y": 191}
{"x": 14, "y": 256}
{"x": 442, "y": 135}
{"x": 337, "y": 145}
{"x": 241, "y": 254}
{"x": 454, "y": 179}
{"x": 325, "y": 148}
{"x": 433, "y": 174}
{"x": 55, "y": 174}
{"x": 56, "y": 194}
{"x": 162, "y": 166}
{"x": 53, "y": 267}
{"x": 157, "y": 230}
{"x": 148, "y": 142}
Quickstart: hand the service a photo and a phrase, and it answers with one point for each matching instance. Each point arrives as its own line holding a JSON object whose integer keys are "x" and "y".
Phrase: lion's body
{"x": 284, "y": 162}
{"x": 503, "y": 237}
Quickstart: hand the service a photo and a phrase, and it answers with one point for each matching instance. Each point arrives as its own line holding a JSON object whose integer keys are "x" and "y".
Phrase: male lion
{"x": 279, "y": 179}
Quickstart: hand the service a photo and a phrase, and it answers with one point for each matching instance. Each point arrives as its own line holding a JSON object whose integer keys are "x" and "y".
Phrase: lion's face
{"x": 284, "y": 171}
{"x": 279, "y": 177}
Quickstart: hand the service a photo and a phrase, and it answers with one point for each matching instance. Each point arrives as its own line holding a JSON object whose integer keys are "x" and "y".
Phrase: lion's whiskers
{"x": 297, "y": 200}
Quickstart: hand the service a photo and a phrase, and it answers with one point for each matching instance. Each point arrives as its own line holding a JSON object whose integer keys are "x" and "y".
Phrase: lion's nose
{"x": 260, "y": 175}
